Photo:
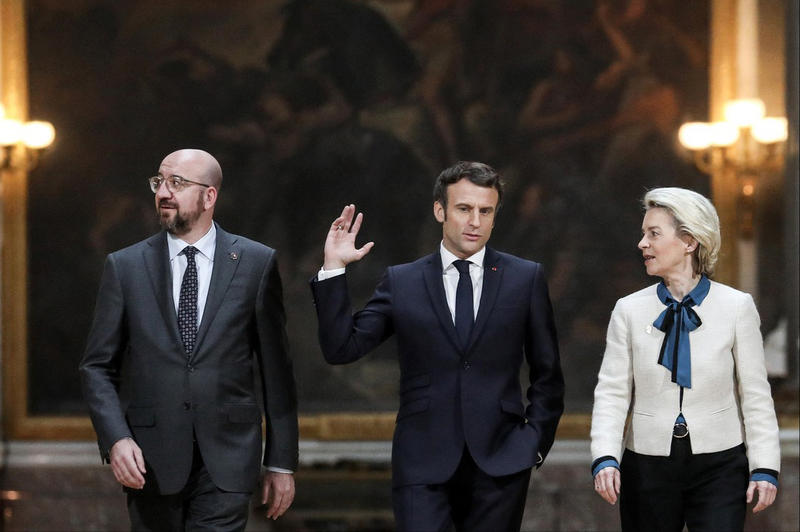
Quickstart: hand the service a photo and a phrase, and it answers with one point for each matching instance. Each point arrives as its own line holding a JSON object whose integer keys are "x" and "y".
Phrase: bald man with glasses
{"x": 180, "y": 319}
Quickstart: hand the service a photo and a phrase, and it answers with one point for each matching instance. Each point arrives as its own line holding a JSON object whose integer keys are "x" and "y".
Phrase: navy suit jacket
{"x": 452, "y": 396}
{"x": 138, "y": 382}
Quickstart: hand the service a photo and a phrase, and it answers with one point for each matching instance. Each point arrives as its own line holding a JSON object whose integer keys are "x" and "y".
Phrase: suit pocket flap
{"x": 512, "y": 407}
{"x": 243, "y": 413}
{"x": 416, "y": 381}
{"x": 413, "y": 407}
{"x": 141, "y": 417}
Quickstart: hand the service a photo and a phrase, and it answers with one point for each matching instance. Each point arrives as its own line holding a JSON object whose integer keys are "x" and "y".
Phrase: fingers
{"x": 607, "y": 484}
{"x": 280, "y": 486}
{"x": 364, "y": 249}
{"x": 265, "y": 491}
{"x": 750, "y": 489}
{"x": 766, "y": 494}
{"x": 127, "y": 464}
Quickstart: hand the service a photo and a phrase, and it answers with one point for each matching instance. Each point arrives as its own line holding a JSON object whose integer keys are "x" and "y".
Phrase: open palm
{"x": 340, "y": 244}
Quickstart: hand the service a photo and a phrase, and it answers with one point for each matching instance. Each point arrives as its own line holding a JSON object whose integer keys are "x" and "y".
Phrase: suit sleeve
{"x": 100, "y": 367}
{"x": 343, "y": 336}
{"x": 758, "y": 410}
{"x": 614, "y": 390}
{"x": 546, "y": 391}
{"x": 277, "y": 374}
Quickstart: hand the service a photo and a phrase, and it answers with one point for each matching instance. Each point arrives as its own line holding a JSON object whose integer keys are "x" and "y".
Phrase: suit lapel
{"x": 492, "y": 275}
{"x": 435, "y": 285}
{"x": 156, "y": 258}
{"x": 227, "y": 255}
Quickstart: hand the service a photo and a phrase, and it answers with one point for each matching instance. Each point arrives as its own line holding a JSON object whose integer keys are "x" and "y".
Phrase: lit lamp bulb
{"x": 723, "y": 134}
{"x": 744, "y": 112}
{"x": 10, "y": 131}
{"x": 695, "y": 135}
{"x": 38, "y": 134}
{"x": 770, "y": 130}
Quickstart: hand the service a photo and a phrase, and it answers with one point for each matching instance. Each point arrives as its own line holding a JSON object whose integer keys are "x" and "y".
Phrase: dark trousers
{"x": 470, "y": 501}
{"x": 702, "y": 491}
{"x": 199, "y": 506}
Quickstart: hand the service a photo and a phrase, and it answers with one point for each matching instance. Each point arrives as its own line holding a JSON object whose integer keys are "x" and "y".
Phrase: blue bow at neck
{"x": 677, "y": 321}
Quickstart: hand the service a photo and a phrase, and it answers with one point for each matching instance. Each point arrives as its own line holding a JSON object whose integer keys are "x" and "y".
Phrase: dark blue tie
{"x": 465, "y": 313}
{"x": 187, "y": 305}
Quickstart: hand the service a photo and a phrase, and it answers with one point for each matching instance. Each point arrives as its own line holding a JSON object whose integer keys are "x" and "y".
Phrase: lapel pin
{"x": 494, "y": 268}
{"x": 233, "y": 255}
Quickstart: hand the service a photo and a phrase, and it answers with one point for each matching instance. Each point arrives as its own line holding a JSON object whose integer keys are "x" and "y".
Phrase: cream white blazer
{"x": 729, "y": 402}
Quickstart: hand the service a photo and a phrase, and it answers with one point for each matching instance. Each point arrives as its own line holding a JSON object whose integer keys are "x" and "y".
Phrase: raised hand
{"x": 340, "y": 245}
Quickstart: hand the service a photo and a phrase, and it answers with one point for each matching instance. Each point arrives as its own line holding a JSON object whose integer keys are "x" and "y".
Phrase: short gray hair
{"x": 693, "y": 214}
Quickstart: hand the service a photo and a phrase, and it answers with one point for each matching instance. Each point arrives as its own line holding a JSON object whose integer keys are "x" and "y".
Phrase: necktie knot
{"x": 462, "y": 266}
{"x": 190, "y": 252}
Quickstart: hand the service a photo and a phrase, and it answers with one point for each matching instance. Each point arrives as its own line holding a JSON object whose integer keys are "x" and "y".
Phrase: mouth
{"x": 472, "y": 237}
{"x": 162, "y": 206}
{"x": 648, "y": 259}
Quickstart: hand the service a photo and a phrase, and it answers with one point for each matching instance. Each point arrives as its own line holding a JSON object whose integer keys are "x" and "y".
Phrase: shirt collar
{"x": 205, "y": 245}
{"x": 448, "y": 258}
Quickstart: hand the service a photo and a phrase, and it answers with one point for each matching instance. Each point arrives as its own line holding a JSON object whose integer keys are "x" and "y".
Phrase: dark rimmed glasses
{"x": 175, "y": 183}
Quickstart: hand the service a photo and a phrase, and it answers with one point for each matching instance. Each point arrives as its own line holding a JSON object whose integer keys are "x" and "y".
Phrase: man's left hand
{"x": 766, "y": 494}
{"x": 279, "y": 488}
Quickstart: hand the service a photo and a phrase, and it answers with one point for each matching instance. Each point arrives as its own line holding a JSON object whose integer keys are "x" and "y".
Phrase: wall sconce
{"x": 746, "y": 142}
{"x": 29, "y": 138}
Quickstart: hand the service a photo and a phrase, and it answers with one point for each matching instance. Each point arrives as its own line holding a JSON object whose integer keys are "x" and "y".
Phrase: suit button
{"x": 467, "y": 365}
{"x": 187, "y": 405}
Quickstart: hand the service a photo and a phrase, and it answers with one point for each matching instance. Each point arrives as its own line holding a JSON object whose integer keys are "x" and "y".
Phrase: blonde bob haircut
{"x": 694, "y": 215}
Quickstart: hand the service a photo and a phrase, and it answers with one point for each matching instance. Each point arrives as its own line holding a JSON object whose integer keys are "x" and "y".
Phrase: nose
{"x": 643, "y": 243}
{"x": 475, "y": 219}
{"x": 162, "y": 191}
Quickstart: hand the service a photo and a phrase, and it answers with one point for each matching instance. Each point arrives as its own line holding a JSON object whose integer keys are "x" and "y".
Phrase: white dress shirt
{"x": 204, "y": 260}
{"x": 450, "y": 277}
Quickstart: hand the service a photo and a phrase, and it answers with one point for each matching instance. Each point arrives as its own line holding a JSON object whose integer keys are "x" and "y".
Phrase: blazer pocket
{"x": 720, "y": 410}
{"x": 243, "y": 413}
{"x": 141, "y": 417}
{"x": 417, "y": 381}
{"x": 413, "y": 407}
{"x": 514, "y": 408}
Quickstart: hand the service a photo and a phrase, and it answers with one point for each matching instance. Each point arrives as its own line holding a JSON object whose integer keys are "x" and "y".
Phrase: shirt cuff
{"x": 769, "y": 475}
{"x": 280, "y": 470}
{"x": 602, "y": 463}
{"x": 327, "y": 274}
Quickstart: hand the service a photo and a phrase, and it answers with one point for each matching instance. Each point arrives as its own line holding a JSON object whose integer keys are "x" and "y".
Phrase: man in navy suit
{"x": 464, "y": 318}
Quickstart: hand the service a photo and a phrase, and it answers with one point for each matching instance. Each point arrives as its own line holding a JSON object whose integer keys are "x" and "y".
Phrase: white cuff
{"x": 280, "y": 470}
{"x": 327, "y": 274}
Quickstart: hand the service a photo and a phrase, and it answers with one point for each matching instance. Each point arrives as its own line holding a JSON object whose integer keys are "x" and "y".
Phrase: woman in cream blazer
{"x": 684, "y": 370}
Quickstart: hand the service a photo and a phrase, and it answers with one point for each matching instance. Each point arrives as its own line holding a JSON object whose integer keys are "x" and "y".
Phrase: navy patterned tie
{"x": 465, "y": 313}
{"x": 187, "y": 305}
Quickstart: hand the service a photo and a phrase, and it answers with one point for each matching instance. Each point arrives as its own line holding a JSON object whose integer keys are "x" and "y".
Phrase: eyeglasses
{"x": 175, "y": 183}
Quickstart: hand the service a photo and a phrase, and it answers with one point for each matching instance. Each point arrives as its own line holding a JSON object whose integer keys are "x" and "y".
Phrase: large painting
{"x": 312, "y": 104}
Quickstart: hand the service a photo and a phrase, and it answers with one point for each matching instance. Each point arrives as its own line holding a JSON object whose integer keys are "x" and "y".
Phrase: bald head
{"x": 196, "y": 165}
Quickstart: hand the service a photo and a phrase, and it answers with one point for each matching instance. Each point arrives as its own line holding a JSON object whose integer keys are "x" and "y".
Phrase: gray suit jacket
{"x": 138, "y": 381}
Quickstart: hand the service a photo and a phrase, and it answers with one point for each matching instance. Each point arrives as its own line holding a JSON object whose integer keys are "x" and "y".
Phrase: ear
{"x": 210, "y": 198}
{"x": 438, "y": 211}
{"x": 691, "y": 244}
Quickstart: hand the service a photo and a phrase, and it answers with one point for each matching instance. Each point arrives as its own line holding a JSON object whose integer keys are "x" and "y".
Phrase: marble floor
{"x": 63, "y": 487}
